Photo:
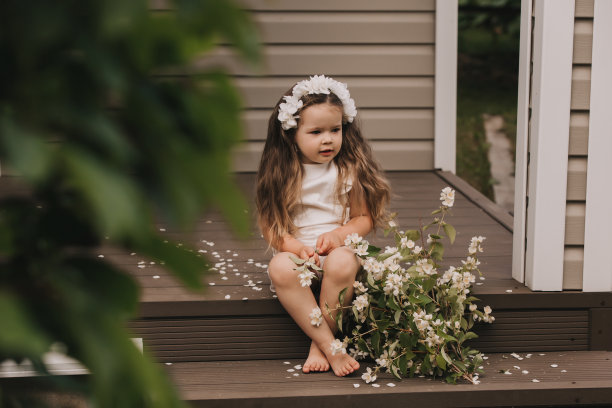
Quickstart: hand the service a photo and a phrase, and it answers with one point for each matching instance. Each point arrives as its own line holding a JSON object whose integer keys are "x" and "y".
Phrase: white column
{"x": 445, "y": 121}
{"x": 548, "y": 143}
{"x": 597, "y": 273}
{"x": 522, "y": 144}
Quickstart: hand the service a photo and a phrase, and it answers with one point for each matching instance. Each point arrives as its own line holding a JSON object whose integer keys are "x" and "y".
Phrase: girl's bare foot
{"x": 341, "y": 364}
{"x": 316, "y": 360}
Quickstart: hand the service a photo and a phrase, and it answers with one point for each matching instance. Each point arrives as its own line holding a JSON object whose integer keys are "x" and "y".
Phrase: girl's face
{"x": 319, "y": 134}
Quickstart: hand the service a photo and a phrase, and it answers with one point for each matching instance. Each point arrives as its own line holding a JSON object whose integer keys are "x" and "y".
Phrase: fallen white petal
{"x": 290, "y": 370}
{"x": 509, "y": 290}
{"x": 356, "y": 385}
{"x": 554, "y": 365}
{"x": 535, "y": 380}
{"x": 390, "y": 385}
{"x": 156, "y": 277}
{"x": 564, "y": 371}
{"x": 375, "y": 385}
{"x": 227, "y": 296}
{"x": 525, "y": 372}
{"x": 296, "y": 374}
{"x": 286, "y": 362}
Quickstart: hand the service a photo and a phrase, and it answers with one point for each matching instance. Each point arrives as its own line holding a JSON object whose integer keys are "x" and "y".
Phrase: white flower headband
{"x": 318, "y": 84}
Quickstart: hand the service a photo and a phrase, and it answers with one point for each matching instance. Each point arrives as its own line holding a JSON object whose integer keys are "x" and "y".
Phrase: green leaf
{"x": 296, "y": 260}
{"x": 441, "y": 362}
{"x": 438, "y": 211}
{"x": 341, "y": 296}
{"x": 469, "y": 336}
{"x": 451, "y": 233}
{"x": 438, "y": 251}
{"x": 445, "y": 356}
{"x": 20, "y": 336}
{"x": 371, "y": 281}
{"x": 413, "y": 235}
{"x": 376, "y": 342}
{"x": 396, "y": 372}
{"x": 435, "y": 236}
{"x": 397, "y": 316}
{"x": 405, "y": 339}
{"x": 403, "y": 364}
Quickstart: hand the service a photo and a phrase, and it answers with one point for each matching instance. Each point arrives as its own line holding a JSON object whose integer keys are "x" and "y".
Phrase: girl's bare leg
{"x": 299, "y": 302}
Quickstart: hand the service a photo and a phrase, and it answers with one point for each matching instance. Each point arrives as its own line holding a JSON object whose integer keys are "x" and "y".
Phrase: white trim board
{"x": 522, "y": 144}
{"x": 597, "y": 272}
{"x": 445, "y": 121}
{"x": 549, "y": 143}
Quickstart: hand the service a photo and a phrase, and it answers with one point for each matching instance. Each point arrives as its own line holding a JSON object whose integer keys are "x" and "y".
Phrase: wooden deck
{"x": 228, "y": 345}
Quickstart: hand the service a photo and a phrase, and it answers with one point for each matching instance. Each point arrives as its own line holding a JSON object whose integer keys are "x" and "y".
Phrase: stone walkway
{"x": 502, "y": 165}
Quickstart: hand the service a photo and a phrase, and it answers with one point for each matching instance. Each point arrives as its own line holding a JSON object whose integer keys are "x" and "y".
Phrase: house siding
{"x": 384, "y": 51}
{"x": 578, "y": 143}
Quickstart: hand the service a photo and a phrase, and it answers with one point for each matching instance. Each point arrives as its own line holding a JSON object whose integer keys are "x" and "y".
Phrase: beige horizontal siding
{"x": 578, "y": 146}
{"x": 392, "y": 155}
{"x": 388, "y": 124}
{"x": 347, "y": 28}
{"x": 581, "y": 87}
{"x": 340, "y": 5}
{"x": 337, "y": 60}
{"x": 583, "y": 41}
{"x": 576, "y": 179}
{"x": 574, "y": 224}
{"x": 579, "y": 134}
{"x": 381, "y": 92}
{"x": 572, "y": 268}
{"x": 584, "y": 8}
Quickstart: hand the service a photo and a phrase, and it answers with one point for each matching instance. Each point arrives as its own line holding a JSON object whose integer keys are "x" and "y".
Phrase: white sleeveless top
{"x": 319, "y": 210}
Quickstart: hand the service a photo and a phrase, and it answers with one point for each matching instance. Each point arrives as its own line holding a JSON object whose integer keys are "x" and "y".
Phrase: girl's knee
{"x": 280, "y": 269}
{"x": 341, "y": 264}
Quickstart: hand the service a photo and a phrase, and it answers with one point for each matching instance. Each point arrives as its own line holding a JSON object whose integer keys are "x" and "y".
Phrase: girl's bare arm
{"x": 360, "y": 222}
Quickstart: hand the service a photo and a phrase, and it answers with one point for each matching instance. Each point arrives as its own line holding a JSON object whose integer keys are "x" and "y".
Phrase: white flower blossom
{"x": 359, "y": 287}
{"x": 393, "y": 284}
{"x": 352, "y": 239}
{"x": 424, "y": 267}
{"x": 318, "y": 84}
{"x": 362, "y": 250}
{"x": 390, "y": 250}
{"x": 316, "y": 317}
{"x": 337, "y": 347}
{"x": 473, "y": 307}
{"x": 470, "y": 263}
{"x": 392, "y": 224}
{"x": 417, "y": 250}
{"x": 406, "y": 243}
{"x": 306, "y": 278}
{"x": 368, "y": 376}
{"x": 447, "y": 196}
{"x": 361, "y": 302}
{"x": 475, "y": 245}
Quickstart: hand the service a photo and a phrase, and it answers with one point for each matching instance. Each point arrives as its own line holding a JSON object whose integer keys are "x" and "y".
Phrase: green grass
{"x": 486, "y": 84}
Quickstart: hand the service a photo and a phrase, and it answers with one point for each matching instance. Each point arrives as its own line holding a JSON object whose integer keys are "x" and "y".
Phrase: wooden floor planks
{"x": 562, "y": 379}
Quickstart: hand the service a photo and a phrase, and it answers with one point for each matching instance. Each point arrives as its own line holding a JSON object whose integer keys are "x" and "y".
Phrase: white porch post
{"x": 445, "y": 132}
{"x": 548, "y": 143}
{"x": 597, "y": 272}
{"x": 522, "y": 144}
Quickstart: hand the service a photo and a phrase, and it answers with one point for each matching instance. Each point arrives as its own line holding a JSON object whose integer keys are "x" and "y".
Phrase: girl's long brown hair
{"x": 279, "y": 179}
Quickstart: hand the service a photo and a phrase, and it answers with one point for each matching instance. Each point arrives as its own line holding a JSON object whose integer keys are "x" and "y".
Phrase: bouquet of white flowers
{"x": 408, "y": 316}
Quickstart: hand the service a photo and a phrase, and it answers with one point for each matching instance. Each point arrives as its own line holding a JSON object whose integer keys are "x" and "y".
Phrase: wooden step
{"x": 238, "y": 318}
{"x": 551, "y": 379}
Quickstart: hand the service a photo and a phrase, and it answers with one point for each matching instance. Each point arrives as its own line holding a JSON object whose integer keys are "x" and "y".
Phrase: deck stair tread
{"x": 563, "y": 378}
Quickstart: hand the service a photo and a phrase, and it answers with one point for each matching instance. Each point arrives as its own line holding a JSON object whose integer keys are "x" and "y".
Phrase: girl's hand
{"x": 328, "y": 242}
{"x": 307, "y": 252}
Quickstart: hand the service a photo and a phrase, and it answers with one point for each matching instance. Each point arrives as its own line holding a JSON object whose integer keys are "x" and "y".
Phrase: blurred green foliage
{"x": 111, "y": 134}
{"x": 487, "y": 82}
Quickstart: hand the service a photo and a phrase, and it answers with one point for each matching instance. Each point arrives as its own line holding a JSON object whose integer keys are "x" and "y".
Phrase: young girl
{"x": 317, "y": 183}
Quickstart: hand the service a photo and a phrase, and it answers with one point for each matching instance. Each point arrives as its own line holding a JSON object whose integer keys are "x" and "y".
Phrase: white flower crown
{"x": 318, "y": 84}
